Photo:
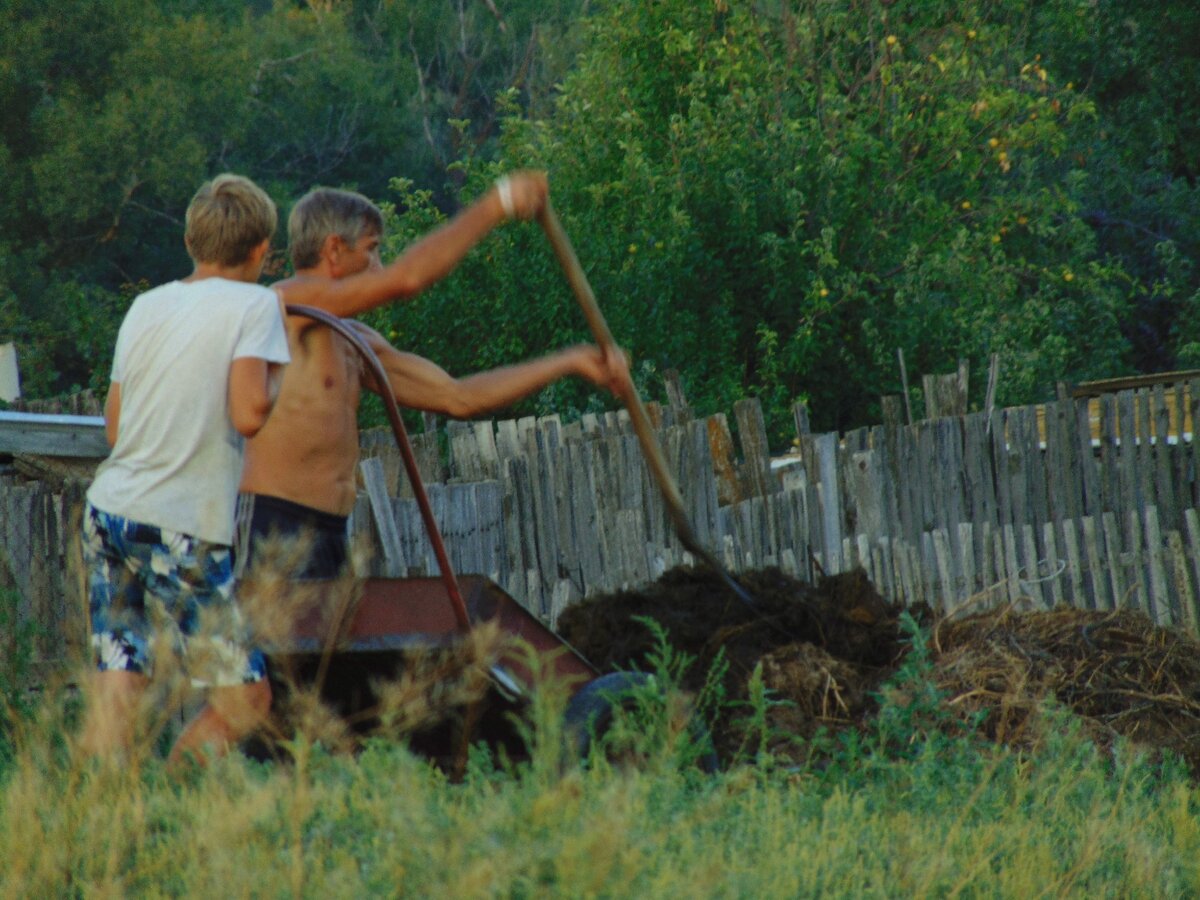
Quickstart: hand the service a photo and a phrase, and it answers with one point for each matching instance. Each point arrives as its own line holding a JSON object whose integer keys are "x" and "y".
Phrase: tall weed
{"x": 17, "y": 636}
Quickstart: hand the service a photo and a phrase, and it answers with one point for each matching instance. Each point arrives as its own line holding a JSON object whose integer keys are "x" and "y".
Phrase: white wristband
{"x": 504, "y": 191}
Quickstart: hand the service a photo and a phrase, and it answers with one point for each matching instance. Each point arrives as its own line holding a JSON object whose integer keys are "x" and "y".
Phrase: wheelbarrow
{"x": 346, "y": 649}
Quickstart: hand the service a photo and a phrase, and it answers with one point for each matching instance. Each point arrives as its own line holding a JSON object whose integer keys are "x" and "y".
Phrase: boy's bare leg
{"x": 113, "y": 709}
{"x": 230, "y": 715}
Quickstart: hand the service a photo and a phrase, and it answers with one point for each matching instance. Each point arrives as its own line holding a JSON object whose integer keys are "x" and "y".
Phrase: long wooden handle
{"x": 633, "y": 403}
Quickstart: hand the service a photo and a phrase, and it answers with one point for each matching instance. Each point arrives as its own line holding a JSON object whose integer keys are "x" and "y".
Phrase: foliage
{"x": 116, "y": 113}
{"x": 897, "y": 181}
{"x": 770, "y": 196}
{"x": 914, "y": 723}
{"x": 81, "y": 329}
{"x": 17, "y": 636}
{"x": 1141, "y": 66}
{"x": 754, "y": 724}
{"x": 460, "y": 57}
{"x": 661, "y": 721}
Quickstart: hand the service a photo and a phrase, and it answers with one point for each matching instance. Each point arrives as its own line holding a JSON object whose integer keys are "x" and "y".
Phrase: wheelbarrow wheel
{"x": 591, "y": 712}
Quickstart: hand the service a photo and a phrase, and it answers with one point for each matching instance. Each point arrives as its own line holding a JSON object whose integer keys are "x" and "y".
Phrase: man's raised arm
{"x": 519, "y": 196}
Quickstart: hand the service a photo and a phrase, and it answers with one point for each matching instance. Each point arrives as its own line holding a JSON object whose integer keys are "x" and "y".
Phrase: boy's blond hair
{"x": 228, "y": 217}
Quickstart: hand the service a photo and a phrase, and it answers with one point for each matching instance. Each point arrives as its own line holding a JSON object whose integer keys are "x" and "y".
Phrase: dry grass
{"x": 383, "y": 821}
{"x": 944, "y": 817}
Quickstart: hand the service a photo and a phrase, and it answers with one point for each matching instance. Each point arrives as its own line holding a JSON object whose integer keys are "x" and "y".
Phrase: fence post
{"x": 830, "y": 494}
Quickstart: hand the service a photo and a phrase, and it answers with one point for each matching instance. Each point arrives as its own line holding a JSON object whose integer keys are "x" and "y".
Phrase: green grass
{"x": 1063, "y": 824}
{"x": 914, "y": 805}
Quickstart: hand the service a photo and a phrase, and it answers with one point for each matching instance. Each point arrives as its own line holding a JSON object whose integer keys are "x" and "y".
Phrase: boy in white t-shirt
{"x": 193, "y": 376}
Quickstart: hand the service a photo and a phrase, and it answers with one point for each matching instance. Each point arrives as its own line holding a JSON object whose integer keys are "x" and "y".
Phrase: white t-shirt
{"x": 178, "y": 459}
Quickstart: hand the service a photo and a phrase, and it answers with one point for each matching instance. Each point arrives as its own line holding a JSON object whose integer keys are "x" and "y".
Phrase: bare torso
{"x": 308, "y": 450}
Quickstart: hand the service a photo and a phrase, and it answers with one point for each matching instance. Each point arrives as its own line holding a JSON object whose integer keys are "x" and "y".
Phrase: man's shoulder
{"x": 311, "y": 289}
{"x": 300, "y": 278}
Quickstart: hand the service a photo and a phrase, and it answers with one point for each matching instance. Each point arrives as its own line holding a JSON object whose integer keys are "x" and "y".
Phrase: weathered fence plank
{"x": 374, "y": 481}
{"x": 1161, "y": 605}
{"x": 1074, "y": 571}
{"x": 1164, "y": 486}
{"x": 1181, "y": 586}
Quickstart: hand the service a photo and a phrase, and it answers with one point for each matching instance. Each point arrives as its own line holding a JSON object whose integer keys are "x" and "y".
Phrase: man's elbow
{"x": 402, "y": 284}
{"x": 451, "y": 400}
{"x": 461, "y": 404}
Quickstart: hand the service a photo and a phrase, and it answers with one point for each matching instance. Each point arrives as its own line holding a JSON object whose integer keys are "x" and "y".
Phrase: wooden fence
{"x": 955, "y": 511}
{"x": 1093, "y": 506}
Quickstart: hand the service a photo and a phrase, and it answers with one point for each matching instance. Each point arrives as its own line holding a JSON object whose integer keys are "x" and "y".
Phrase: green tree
{"x": 121, "y": 110}
{"x": 458, "y": 57}
{"x": 1140, "y": 63}
{"x": 115, "y": 112}
{"x": 771, "y": 197}
{"x": 774, "y": 198}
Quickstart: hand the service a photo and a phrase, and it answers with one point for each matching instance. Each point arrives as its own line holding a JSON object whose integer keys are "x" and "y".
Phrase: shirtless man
{"x": 299, "y": 474}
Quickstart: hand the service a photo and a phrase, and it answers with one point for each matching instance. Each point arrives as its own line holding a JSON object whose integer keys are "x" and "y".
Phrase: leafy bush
{"x": 115, "y": 114}
{"x": 774, "y": 202}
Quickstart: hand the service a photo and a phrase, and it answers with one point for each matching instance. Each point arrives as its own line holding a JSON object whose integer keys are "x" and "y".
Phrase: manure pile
{"x": 828, "y": 648}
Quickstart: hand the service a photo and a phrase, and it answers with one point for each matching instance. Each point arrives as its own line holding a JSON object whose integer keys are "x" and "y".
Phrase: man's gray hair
{"x": 325, "y": 211}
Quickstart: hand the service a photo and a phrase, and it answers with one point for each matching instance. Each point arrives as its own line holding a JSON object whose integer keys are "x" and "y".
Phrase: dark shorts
{"x": 147, "y": 585}
{"x": 305, "y": 542}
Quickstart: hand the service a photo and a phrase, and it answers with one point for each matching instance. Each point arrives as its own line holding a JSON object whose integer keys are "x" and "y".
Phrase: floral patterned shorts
{"x": 149, "y": 588}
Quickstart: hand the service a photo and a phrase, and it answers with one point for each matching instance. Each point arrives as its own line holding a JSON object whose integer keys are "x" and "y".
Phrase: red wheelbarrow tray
{"x": 398, "y": 614}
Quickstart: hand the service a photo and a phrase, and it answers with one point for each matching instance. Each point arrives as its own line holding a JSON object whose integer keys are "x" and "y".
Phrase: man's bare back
{"x": 308, "y": 450}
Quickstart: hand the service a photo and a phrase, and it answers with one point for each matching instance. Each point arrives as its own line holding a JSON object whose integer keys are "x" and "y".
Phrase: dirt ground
{"x": 828, "y": 648}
